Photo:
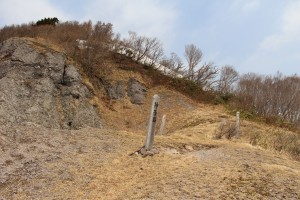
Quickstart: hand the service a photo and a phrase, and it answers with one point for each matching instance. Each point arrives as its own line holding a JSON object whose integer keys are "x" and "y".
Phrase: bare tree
{"x": 175, "y": 65}
{"x": 156, "y": 50}
{"x": 272, "y": 97}
{"x": 228, "y": 76}
{"x": 206, "y": 75}
{"x": 193, "y": 57}
{"x": 145, "y": 49}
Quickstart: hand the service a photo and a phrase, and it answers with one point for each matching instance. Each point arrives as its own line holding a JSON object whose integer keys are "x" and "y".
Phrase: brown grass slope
{"x": 39, "y": 163}
{"x": 179, "y": 100}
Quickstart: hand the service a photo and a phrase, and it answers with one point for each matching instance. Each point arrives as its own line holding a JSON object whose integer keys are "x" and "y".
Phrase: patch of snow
{"x": 145, "y": 60}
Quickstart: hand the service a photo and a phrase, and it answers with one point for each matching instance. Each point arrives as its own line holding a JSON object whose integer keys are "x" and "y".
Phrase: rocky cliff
{"x": 39, "y": 86}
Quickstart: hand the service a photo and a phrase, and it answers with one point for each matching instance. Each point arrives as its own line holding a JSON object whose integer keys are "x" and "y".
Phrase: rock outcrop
{"x": 136, "y": 91}
{"x": 116, "y": 90}
{"x": 38, "y": 85}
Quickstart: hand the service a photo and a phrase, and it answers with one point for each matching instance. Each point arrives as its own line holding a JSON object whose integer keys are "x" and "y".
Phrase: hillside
{"x": 92, "y": 158}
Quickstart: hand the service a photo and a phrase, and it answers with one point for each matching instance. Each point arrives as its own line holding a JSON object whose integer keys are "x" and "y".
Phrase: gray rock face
{"x": 136, "y": 92}
{"x": 115, "y": 91}
{"x": 38, "y": 86}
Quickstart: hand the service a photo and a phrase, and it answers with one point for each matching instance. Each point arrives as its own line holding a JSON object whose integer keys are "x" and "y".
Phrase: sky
{"x": 260, "y": 36}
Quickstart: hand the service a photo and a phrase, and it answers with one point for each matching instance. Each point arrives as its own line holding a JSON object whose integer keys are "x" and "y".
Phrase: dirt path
{"x": 38, "y": 163}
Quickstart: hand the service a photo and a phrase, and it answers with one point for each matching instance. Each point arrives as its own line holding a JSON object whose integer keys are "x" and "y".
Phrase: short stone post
{"x": 162, "y": 125}
{"x": 237, "y": 125}
{"x": 152, "y": 123}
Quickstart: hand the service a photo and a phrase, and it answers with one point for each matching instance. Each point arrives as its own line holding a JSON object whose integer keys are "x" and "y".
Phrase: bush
{"x": 226, "y": 130}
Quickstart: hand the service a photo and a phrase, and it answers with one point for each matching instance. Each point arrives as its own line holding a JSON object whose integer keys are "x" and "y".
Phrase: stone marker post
{"x": 237, "y": 125}
{"x": 162, "y": 126}
{"x": 152, "y": 123}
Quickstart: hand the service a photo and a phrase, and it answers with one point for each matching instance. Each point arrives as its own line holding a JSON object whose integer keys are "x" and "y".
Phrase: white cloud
{"x": 20, "y": 11}
{"x": 153, "y": 18}
{"x": 251, "y": 4}
{"x": 245, "y": 5}
{"x": 289, "y": 31}
{"x": 280, "y": 50}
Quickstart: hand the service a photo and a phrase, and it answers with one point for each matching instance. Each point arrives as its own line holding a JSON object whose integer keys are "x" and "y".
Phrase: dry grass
{"x": 95, "y": 164}
{"x": 276, "y": 139}
{"x": 42, "y": 44}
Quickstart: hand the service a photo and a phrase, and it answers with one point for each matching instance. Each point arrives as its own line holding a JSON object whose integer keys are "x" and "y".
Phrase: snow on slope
{"x": 145, "y": 60}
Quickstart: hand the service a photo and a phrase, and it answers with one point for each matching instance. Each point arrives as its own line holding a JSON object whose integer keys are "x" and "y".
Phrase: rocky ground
{"x": 39, "y": 163}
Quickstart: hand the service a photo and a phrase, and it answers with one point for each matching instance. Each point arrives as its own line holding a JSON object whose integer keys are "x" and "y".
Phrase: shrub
{"x": 226, "y": 130}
